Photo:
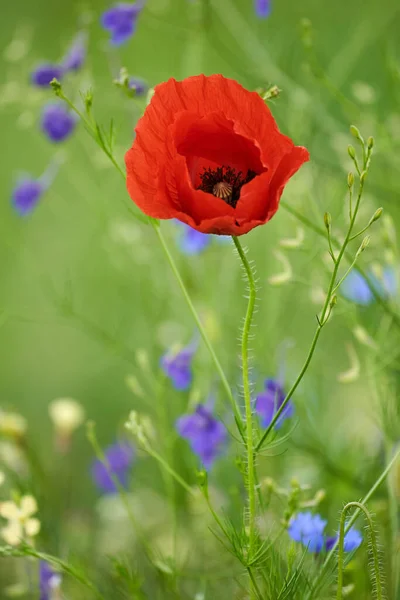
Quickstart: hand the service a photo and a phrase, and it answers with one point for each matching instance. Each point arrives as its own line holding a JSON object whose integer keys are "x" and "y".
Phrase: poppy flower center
{"x": 225, "y": 183}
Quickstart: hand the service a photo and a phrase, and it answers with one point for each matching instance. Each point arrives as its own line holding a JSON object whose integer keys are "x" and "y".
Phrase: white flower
{"x": 20, "y": 524}
{"x": 12, "y": 424}
{"x": 67, "y": 415}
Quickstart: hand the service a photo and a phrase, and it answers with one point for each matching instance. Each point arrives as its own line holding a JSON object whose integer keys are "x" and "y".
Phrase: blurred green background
{"x": 84, "y": 286}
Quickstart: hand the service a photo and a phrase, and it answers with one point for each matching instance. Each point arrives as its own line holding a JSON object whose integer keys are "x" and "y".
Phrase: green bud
{"x": 202, "y": 478}
{"x": 328, "y": 220}
{"x": 370, "y": 143}
{"x": 56, "y": 85}
{"x": 351, "y": 151}
{"x": 377, "y": 215}
{"x": 364, "y": 244}
{"x": 355, "y": 132}
{"x": 88, "y": 99}
{"x": 333, "y": 301}
{"x": 350, "y": 180}
{"x": 363, "y": 176}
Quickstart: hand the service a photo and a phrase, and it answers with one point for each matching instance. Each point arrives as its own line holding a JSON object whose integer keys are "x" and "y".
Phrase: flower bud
{"x": 355, "y": 132}
{"x": 56, "y": 85}
{"x": 328, "y": 220}
{"x": 370, "y": 143}
{"x": 363, "y": 176}
{"x": 364, "y": 244}
{"x": 333, "y": 301}
{"x": 351, "y": 151}
{"x": 377, "y": 215}
{"x": 350, "y": 180}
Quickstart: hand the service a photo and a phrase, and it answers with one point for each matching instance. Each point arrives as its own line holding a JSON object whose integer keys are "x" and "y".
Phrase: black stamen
{"x": 211, "y": 178}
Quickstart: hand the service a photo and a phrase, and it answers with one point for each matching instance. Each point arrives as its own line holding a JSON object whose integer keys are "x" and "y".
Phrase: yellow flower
{"x": 67, "y": 415}
{"x": 12, "y": 424}
{"x": 20, "y": 524}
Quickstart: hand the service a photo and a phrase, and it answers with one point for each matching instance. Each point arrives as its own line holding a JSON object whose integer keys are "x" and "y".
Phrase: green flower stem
{"x": 350, "y": 523}
{"x": 377, "y": 575}
{"x": 199, "y": 324}
{"x": 378, "y": 298}
{"x": 251, "y": 478}
{"x": 322, "y": 320}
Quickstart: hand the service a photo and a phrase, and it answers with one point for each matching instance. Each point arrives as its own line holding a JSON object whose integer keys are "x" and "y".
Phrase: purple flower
{"x": 178, "y": 367}
{"x": 44, "y": 73}
{"x": 28, "y": 190}
{"x": 118, "y": 461}
{"x": 49, "y": 580}
{"x": 139, "y": 85}
{"x": 270, "y": 401}
{"x": 120, "y": 21}
{"x": 57, "y": 122}
{"x": 27, "y": 194}
{"x": 76, "y": 54}
{"x": 352, "y": 540}
{"x": 191, "y": 241}
{"x": 263, "y": 8}
{"x": 357, "y": 290}
{"x": 308, "y": 529}
{"x": 205, "y": 434}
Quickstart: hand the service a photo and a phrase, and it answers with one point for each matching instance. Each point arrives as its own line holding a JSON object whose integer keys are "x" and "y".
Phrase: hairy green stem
{"x": 350, "y": 522}
{"x": 377, "y": 581}
{"x": 322, "y": 320}
{"x": 250, "y": 475}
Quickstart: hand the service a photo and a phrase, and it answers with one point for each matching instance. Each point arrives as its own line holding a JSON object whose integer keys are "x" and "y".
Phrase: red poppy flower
{"x": 209, "y": 153}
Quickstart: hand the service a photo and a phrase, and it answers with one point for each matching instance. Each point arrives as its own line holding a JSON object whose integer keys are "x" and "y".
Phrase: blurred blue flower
{"x": 76, "y": 53}
{"x": 269, "y": 402}
{"x": 118, "y": 461}
{"x": 27, "y": 194}
{"x": 139, "y": 85}
{"x": 263, "y": 8}
{"x": 178, "y": 366}
{"x": 309, "y": 530}
{"x": 49, "y": 580}
{"x": 352, "y": 540}
{"x": 28, "y": 190}
{"x": 120, "y": 21}
{"x": 356, "y": 289}
{"x": 44, "y": 73}
{"x": 57, "y": 122}
{"x": 191, "y": 241}
{"x": 205, "y": 434}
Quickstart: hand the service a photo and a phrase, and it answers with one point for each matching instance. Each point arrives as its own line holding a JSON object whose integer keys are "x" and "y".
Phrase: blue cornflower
{"x": 27, "y": 194}
{"x": 178, "y": 366}
{"x": 205, "y": 434}
{"x": 356, "y": 289}
{"x": 263, "y": 8}
{"x": 139, "y": 85}
{"x": 191, "y": 241}
{"x": 309, "y": 530}
{"x": 49, "y": 580}
{"x": 28, "y": 190}
{"x": 57, "y": 122}
{"x": 120, "y": 21}
{"x": 352, "y": 540}
{"x": 76, "y": 53}
{"x": 270, "y": 400}
{"x": 44, "y": 73}
{"x": 118, "y": 461}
